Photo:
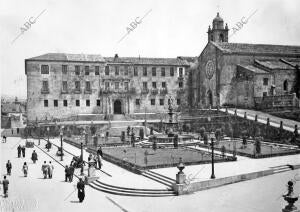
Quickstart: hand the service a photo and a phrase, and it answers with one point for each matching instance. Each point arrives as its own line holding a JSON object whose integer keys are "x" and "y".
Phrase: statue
{"x": 290, "y": 198}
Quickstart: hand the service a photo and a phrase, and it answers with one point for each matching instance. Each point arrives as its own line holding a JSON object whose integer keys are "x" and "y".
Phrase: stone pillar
{"x": 245, "y": 115}
{"x": 256, "y": 118}
{"x": 180, "y": 178}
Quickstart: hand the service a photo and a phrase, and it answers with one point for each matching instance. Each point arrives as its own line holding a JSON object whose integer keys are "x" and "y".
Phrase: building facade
{"x": 244, "y": 75}
{"x": 64, "y": 85}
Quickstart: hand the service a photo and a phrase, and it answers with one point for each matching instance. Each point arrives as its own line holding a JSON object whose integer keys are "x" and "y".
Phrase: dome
{"x": 218, "y": 18}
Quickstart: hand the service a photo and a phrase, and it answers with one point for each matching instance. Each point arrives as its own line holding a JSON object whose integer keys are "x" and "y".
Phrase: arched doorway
{"x": 117, "y": 107}
{"x": 209, "y": 98}
{"x": 285, "y": 85}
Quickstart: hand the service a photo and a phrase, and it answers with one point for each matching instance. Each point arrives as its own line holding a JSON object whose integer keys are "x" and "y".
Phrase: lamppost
{"x": 48, "y": 143}
{"x": 61, "y": 143}
{"x": 212, "y": 138}
{"x": 81, "y": 159}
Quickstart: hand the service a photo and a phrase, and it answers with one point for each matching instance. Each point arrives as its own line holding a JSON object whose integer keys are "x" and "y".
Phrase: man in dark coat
{"x": 34, "y": 156}
{"x": 5, "y": 183}
{"x": 99, "y": 152}
{"x": 19, "y": 151}
{"x": 23, "y": 151}
{"x": 67, "y": 173}
{"x": 80, "y": 187}
{"x": 71, "y": 170}
{"x": 8, "y": 167}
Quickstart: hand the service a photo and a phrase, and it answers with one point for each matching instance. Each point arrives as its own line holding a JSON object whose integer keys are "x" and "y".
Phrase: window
{"x": 163, "y": 72}
{"x": 153, "y": 84}
{"x": 44, "y": 69}
{"x": 64, "y": 69}
{"x": 180, "y": 72}
{"x": 98, "y": 102}
{"x": 65, "y": 103}
{"x": 154, "y": 71}
{"x": 117, "y": 85}
{"x": 163, "y": 84}
{"x": 77, "y": 103}
{"x": 265, "y": 94}
{"x": 65, "y": 86}
{"x": 86, "y": 70}
{"x": 117, "y": 70}
{"x": 172, "y": 71}
{"x": 161, "y": 102}
{"x": 266, "y": 81}
{"x": 145, "y": 86}
{"x": 97, "y": 70}
{"x": 107, "y": 70}
{"x": 178, "y": 101}
{"x": 45, "y": 103}
{"x": 126, "y": 86}
{"x": 126, "y": 70}
{"x": 144, "y": 71}
{"x": 55, "y": 102}
{"x": 106, "y": 85}
{"x": 87, "y": 102}
{"x": 285, "y": 85}
{"x": 77, "y": 85}
{"x": 88, "y": 85}
{"x": 135, "y": 71}
{"x": 152, "y": 101}
{"x": 180, "y": 84}
{"x": 77, "y": 70}
{"x": 137, "y": 102}
{"x": 45, "y": 85}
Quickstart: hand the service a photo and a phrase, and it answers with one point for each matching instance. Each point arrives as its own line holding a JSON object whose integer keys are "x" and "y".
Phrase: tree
{"x": 257, "y": 146}
{"x": 223, "y": 150}
{"x": 202, "y": 131}
{"x": 141, "y": 133}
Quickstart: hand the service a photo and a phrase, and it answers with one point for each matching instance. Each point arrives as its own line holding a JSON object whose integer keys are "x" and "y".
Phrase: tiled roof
{"x": 99, "y": 58}
{"x": 147, "y": 61}
{"x": 69, "y": 57}
{"x": 254, "y": 69}
{"x": 274, "y": 64}
{"x": 257, "y": 48}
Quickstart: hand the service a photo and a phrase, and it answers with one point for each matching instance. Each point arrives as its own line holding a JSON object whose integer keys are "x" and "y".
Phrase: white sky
{"x": 172, "y": 28}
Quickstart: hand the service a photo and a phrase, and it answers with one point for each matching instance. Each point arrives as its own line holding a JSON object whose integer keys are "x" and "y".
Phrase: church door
{"x": 209, "y": 98}
{"x": 117, "y": 107}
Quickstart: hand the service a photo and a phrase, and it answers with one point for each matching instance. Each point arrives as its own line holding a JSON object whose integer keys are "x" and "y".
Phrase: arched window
{"x": 212, "y": 38}
{"x": 221, "y": 37}
{"x": 285, "y": 85}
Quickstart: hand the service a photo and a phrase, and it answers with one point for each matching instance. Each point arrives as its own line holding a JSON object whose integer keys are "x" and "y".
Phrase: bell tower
{"x": 218, "y": 33}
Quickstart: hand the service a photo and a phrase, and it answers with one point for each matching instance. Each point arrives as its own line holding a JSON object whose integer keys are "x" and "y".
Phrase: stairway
{"x": 281, "y": 168}
{"x": 159, "y": 178}
{"x": 100, "y": 186}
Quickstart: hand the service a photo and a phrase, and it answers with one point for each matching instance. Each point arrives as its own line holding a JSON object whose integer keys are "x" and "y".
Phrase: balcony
{"x": 45, "y": 91}
{"x": 154, "y": 91}
{"x": 87, "y": 91}
{"x": 180, "y": 91}
{"x": 64, "y": 92}
{"x": 180, "y": 78}
{"x": 145, "y": 91}
{"x": 163, "y": 91}
{"x": 77, "y": 91}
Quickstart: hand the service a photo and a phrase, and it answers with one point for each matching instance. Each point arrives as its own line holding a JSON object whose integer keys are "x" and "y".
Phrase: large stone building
{"x": 245, "y": 75}
{"x": 64, "y": 85}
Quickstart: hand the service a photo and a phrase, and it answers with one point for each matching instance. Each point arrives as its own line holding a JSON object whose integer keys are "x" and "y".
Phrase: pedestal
{"x": 180, "y": 178}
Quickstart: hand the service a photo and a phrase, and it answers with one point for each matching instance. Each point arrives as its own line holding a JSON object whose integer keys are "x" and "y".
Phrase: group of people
{"x": 69, "y": 173}
{"x": 47, "y": 170}
{"x": 21, "y": 149}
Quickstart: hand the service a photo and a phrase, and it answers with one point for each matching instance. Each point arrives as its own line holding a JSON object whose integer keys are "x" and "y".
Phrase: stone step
{"x": 159, "y": 179}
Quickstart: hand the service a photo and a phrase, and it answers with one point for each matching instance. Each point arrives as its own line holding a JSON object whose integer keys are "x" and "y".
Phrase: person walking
{"x": 99, "y": 151}
{"x": 25, "y": 169}
{"x": 50, "y": 169}
{"x": 67, "y": 173}
{"x": 71, "y": 170}
{"x": 19, "y": 151}
{"x": 34, "y": 156}
{"x": 80, "y": 187}
{"x": 23, "y": 151}
{"x": 8, "y": 167}
{"x": 5, "y": 183}
{"x": 99, "y": 160}
{"x": 4, "y": 139}
{"x": 45, "y": 169}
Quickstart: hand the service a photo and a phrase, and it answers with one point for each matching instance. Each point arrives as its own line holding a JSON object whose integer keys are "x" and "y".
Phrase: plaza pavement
{"x": 262, "y": 194}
